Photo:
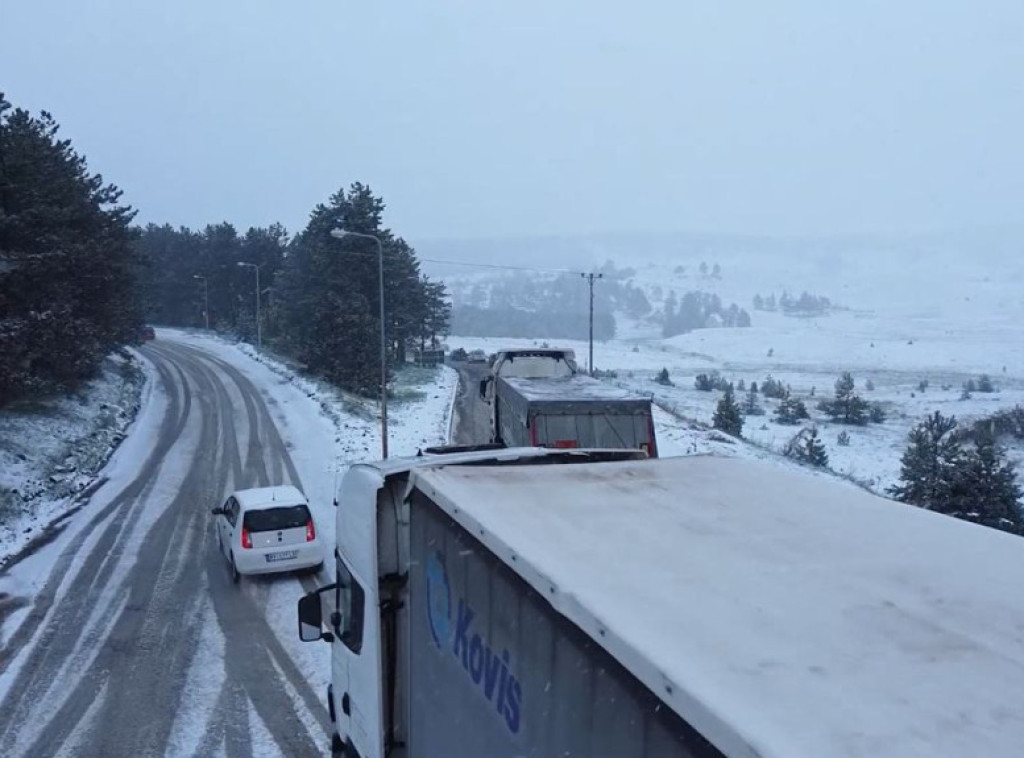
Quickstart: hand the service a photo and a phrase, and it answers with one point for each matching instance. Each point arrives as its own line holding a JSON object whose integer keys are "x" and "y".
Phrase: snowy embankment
{"x": 52, "y": 451}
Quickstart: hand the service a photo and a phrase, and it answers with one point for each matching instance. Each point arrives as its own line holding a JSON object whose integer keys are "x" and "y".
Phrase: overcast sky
{"x": 498, "y": 117}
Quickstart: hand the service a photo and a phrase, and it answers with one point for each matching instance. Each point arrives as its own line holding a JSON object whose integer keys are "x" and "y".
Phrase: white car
{"x": 268, "y": 530}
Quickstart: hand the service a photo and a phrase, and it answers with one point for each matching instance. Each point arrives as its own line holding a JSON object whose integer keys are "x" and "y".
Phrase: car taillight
{"x": 310, "y": 531}
{"x": 246, "y": 539}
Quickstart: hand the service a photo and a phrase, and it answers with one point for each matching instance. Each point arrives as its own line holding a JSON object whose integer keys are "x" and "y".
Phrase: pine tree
{"x": 68, "y": 270}
{"x": 929, "y": 464}
{"x": 791, "y": 411}
{"x": 847, "y": 407}
{"x": 751, "y": 405}
{"x": 985, "y": 489}
{"x": 815, "y": 451}
{"x": 807, "y": 447}
{"x": 727, "y": 416}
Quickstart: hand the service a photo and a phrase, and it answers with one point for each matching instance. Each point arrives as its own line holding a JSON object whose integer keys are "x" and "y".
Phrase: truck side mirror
{"x": 217, "y": 511}
{"x": 311, "y": 616}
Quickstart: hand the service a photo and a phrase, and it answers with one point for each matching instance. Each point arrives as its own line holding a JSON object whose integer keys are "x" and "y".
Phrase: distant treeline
{"x": 805, "y": 305}
{"x": 541, "y": 305}
{"x": 699, "y": 310}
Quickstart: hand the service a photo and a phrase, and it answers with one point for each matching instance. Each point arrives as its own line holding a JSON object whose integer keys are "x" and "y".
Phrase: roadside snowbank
{"x": 52, "y": 451}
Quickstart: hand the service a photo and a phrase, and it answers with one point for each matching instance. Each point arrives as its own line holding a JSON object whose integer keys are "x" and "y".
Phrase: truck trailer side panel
{"x": 497, "y": 672}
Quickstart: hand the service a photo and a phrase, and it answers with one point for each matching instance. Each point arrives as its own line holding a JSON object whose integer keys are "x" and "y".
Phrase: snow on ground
{"x": 53, "y": 449}
{"x": 968, "y": 326}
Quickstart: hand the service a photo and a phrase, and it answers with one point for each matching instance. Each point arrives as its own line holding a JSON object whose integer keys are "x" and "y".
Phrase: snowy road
{"x": 473, "y": 416}
{"x": 131, "y": 639}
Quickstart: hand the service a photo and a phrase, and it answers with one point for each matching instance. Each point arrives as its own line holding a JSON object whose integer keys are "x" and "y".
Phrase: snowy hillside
{"x": 935, "y": 316}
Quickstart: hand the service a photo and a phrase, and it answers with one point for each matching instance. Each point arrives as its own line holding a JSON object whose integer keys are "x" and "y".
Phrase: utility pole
{"x": 590, "y": 280}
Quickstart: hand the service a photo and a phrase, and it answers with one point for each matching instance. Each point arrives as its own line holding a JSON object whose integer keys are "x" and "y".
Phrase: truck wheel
{"x": 337, "y": 746}
{"x": 235, "y": 576}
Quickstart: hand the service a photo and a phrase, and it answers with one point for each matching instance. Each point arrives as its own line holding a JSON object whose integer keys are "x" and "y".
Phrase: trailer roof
{"x": 576, "y": 388}
{"x": 781, "y": 613}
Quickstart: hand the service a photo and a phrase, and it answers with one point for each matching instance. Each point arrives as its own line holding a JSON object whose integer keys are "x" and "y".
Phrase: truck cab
{"x": 529, "y": 363}
{"x": 365, "y": 613}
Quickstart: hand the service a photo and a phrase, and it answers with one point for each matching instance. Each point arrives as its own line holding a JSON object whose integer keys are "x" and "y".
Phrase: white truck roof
{"x": 781, "y": 613}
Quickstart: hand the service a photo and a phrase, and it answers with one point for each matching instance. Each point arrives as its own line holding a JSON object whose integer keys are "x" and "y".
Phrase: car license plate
{"x": 287, "y": 555}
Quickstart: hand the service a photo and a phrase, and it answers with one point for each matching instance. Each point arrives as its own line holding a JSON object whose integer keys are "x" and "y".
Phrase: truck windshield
{"x": 273, "y": 519}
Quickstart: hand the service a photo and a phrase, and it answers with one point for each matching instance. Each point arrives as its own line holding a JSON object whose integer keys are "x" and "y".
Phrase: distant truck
{"x": 538, "y": 398}
{"x": 545, "y": 603}
{"x": 573, "y": 411}
{"x": 535, "y": 363}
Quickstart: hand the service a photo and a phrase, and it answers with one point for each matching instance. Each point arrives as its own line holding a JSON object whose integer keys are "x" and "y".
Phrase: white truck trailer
{"x": 546, "y": 603}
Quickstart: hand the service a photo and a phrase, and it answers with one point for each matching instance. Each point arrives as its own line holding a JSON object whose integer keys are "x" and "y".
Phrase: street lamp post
{"x": 342, "y": 234}
{"x": 259, "y": 330}
{"x": 206, "y": 300}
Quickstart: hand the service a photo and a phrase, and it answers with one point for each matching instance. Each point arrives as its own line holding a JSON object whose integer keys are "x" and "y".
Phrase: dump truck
{"x": 571, "y": 411}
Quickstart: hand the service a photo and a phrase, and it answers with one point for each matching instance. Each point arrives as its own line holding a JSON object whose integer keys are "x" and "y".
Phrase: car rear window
{"x": 271, "y": 519}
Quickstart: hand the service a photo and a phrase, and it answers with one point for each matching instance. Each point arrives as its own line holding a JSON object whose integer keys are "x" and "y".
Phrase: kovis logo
{"x": 490, "y": 672}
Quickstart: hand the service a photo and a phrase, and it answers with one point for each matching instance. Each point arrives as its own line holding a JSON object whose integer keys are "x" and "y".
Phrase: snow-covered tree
{"x": 928, "y": 467}
{"x": 727, "y": 416}
{"x": 807, "y": 447}
{"x": 751, "y": 404}
{"x": 847, "y": 407}
{"x": 791, "y": 411}
{"x": 985, "y": 489}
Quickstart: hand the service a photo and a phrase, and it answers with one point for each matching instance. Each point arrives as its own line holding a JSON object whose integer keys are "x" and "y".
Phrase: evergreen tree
{"x": 791, "y": 411}
{"x": 929, "y": 464}
{"x": 329, "y": 294}
{"x": 751, "y": 405}
{"x": 985, "y": 384}
{"x": 807, "y": 447}
{"x": 985, "y": 489}
{"x": 847, "y": 407}
{"x": 727, "y": 416}
{"x": 68, "y": 271}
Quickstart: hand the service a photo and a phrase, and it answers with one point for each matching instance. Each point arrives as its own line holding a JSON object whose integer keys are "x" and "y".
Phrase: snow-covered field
{"x": 52, "y": 450}
{"x": 940, "y": 320}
